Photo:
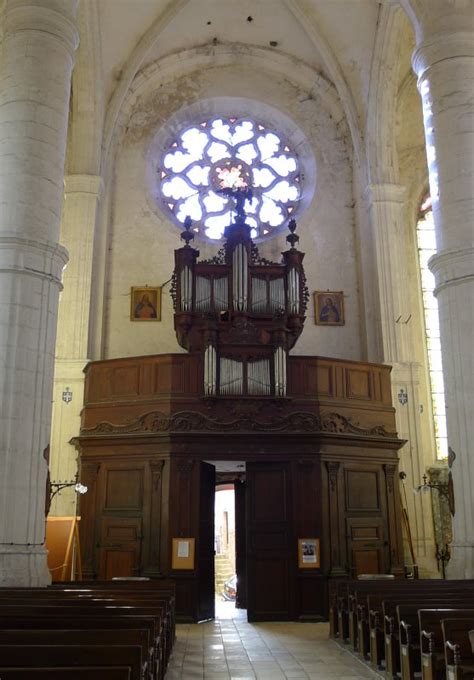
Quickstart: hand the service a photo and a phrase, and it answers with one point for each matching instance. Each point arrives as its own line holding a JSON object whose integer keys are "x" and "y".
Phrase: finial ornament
{"x": 292, "y": 238}
{"x": 187, "y": 235}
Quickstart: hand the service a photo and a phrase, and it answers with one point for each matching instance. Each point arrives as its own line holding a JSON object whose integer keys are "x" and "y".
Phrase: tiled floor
{"x": 232, "y": 648}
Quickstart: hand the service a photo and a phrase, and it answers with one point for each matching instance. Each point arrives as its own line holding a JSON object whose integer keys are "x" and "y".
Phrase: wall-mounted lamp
{"x": 445, "y": 490}
{"x": 57, "y": 487}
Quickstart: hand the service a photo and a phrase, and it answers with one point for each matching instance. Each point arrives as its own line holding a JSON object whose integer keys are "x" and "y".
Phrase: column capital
{"x": 83, "y": 184}
{"x": 52, "y": 19}
{"x": 384, "y": 193}
{"x": 34, "y": 258}
{"x": 440, "y": 47}
{"x": 452, "y": 268}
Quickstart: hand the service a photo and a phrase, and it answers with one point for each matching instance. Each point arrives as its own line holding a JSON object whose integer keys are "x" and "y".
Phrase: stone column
{"x": 386, "y": 205}
{"x": 39, "y": 39}
{"x": 82, "y": 194}
{"x": 444, "y": 64}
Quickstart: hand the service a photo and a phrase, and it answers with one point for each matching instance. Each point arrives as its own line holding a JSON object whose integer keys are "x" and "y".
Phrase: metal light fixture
{"x": 57, "y": 487}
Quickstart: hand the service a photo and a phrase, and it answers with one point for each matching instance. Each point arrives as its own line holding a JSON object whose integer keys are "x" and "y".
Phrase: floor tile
{"x": 233, "y": 649}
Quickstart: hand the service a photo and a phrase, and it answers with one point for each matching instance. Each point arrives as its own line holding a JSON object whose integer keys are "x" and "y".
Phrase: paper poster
{"x": 183, "y": 548}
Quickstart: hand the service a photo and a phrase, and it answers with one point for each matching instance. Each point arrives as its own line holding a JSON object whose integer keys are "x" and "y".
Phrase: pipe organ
{"x": 240, "y": 311}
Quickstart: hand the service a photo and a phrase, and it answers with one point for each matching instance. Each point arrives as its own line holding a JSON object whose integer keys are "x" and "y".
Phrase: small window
{"x": 426, "y": 238}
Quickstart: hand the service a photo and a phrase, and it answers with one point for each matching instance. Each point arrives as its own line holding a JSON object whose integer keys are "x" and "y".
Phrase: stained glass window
{"x": 230, "y": 149}
{"x": 426, "y": 248}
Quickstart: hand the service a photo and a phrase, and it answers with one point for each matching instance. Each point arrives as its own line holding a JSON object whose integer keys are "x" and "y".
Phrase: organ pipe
{"x": 258, "y": 377}
{"x": 186, "y": 285}
{"x": 203, "y": 294}
{"x": 280, "y": 372}
{"x": 240, "y": 277}
{"x": 294, "y": 291}
{"x": 231, "y": 376}
{"x": 210, "y": 370}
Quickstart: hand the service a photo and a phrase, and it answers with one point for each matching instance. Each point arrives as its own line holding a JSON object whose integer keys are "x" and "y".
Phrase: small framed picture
{"x": 145, "y": 304}
{"x": 308, "y": 553}
{"x": 328, "y": 308}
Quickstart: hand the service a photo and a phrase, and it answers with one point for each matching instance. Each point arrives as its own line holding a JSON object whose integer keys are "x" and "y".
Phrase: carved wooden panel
{"x": 117, "y": 562}
{"x": 124, "y": 489}
{"x": 362, "y": 490}
{"x": 358, "y": 384}
{"x": 126, "y": 381}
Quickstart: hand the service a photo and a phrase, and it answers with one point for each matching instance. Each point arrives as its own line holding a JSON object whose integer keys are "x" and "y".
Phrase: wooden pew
{"x": 383, "y": 623}
{"x": 77, "y": 636}
{"x": 410, "y": 633}
{"x": 94, "y": 611}
{"x": 84, "y": 623}
{"x": 457, "y": 648}
{"x": 152, "y": 601}
{"x": 66, "y": 673}
{"x": 431, "y": 639}
{"x": 44, "y": 656}
{"x": 165, "y": 587}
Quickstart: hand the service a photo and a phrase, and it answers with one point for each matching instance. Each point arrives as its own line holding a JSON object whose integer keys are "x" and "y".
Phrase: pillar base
{"x": 24, "y": 566}
{"x": 461, "y": 564}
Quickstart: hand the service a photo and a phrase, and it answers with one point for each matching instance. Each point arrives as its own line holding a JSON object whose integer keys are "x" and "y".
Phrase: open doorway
{"x": 229, "y": 541}
{"x": 225, "y": 577}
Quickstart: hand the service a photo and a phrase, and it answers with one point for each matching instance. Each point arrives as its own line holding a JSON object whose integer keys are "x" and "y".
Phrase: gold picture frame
{"x": 309, "y": 554}
{"x": 145, "y": 303}
{"x": 182, "y": 554}
{"x": 329, "y": 308}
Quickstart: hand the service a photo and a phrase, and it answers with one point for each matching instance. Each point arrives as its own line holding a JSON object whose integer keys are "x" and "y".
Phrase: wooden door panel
{"x": 205, "y": 561}
{"x": 367, "y": 561}
{"x": 120, "y": 546}
{"x": 117, "y": 562}
{"x": 240, "y": 545}
{"x": 269, "y": 541}
{"x": 366, "y": 545}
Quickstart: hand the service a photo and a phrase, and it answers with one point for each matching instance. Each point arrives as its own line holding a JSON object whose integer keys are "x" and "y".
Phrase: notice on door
{"x": 308, "y": 553}
{"x": 183, "y": 549}
{"x": 182, "y": 555}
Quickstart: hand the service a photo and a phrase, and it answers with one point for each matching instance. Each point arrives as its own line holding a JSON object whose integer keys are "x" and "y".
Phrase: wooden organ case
{"x": 317, "y": 436}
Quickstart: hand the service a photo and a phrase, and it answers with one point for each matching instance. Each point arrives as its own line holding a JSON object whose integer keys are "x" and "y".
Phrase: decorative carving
{"x": 333, "y": 469}
{"x": 89, "y": 472}
{"x": 193, "y": 421}
{"x": 219, "y": 258}
{"x": 243, "y": 332}
{"x": 156, "y": 468}
{"x": 389, "y": 475}
{"x": 257, "y": 259}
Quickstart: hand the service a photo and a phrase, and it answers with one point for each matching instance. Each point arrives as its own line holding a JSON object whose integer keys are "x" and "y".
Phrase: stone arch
{"x": 382, "y": 161}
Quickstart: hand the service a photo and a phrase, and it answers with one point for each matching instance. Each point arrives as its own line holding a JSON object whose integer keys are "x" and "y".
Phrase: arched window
{"x": 201, "y": 158}
{"x": 426, "y": 239}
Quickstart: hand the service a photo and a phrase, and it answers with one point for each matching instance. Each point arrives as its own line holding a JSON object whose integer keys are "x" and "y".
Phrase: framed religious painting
{"x": 145, "y": 304}
{"x": 328, "y": 308}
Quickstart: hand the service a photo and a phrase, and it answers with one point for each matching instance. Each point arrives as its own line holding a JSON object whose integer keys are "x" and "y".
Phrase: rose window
{"x": 208, "y": 161}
